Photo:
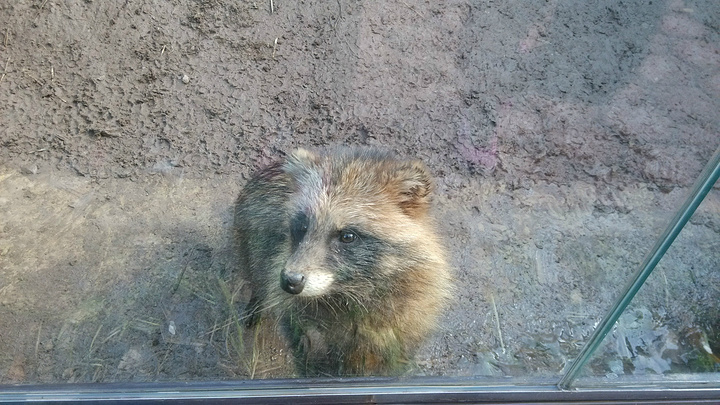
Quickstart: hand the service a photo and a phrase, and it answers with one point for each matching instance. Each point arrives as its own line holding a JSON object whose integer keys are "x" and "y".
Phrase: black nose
{"x": 292, "y": 282}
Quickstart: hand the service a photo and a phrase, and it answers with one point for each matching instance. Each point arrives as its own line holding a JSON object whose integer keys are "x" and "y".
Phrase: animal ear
{"x": 304, "y": 157}
{"x": 302, "y": 167}
{"x": 414, "y": 187}
{"x": 300, "y": 162}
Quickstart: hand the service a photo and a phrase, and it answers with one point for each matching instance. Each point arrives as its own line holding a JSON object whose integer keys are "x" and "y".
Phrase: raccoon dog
{"x": 342, "y": 251}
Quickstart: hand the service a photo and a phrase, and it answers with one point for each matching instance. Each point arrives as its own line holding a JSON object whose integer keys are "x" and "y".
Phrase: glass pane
{"x": 560, "y": 136}
{"x": 672, "y": 327}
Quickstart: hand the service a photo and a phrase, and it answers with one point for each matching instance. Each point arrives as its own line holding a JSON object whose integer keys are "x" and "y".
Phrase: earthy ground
{"x": 563, "y": 136}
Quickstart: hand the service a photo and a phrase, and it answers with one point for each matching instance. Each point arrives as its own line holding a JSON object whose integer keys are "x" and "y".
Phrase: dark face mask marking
{"x": 298, "y": 228}
{"x": 357, "y": 254}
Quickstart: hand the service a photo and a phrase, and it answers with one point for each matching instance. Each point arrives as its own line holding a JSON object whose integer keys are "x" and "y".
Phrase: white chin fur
{"x": 317, "y": 284}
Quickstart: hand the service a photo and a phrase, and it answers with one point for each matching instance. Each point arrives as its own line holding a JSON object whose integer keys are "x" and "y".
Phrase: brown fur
{"x": 350, "y": 231}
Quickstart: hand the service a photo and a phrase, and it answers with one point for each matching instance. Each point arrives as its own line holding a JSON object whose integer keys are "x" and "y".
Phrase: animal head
{"x": 357, "y": 219}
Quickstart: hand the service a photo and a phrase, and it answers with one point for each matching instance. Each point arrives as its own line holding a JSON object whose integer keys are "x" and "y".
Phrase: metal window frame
{"x": 695, "y": 389}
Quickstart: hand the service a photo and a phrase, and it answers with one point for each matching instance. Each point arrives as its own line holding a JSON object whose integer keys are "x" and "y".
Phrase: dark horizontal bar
{"x": 372, "y": 390}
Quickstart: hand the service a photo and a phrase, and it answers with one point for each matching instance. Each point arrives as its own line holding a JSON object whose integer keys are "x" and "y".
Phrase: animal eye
{"x": 347, "y": 237}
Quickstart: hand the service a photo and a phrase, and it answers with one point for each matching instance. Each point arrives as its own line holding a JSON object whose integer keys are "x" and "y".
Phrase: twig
{"x": 113, "y": 333}
{"x": 339, "y": 16}
{"x": 37, "y": 342}
{"x": 212, "y": 332}
{"x": 99, "y": 367}
{"x": 35, "y": 80}
{"x": 411, "y": 8}
{"x": 151, "y": 323}
{"x": 255, "y": 354}
{"x": 5, "y": 71}
{"x": 180, "y": 277}
{"x": 100, "y": 133}
{"x": 274, "y": 48}
{"x": 497, "y": 322}
{"x": 217, "y": 328}
{"x": 42, "y": 6}
{"x": 7, "y": 35}
{"x": 272, "y": 7}
{"x": 667, "y": 291}
{"x": 206, "y": 299}
{"x": 93, "y": 340}
{"x": 162, "y": 362}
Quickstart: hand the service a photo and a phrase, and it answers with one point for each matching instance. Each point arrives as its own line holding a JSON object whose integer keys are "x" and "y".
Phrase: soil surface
{"x": 562, "y": 135}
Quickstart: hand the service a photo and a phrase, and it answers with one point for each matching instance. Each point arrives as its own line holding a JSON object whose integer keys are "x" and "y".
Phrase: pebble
{"x": 186, "y": 79}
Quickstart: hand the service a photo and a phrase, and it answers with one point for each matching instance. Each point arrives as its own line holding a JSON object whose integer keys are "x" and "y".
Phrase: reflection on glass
{"x": 703, "y": 185}
{"x": 673, "y": 324}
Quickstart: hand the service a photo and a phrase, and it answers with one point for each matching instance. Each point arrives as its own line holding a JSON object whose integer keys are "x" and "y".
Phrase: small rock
{"x": 48, "y": 345}
{"x": 68, "y": 373}
{"x": 186, "y": 79}
{"x": 131, "y": 360}
{"x": 16, "y": 372}
{"x": 29, "y": 170}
